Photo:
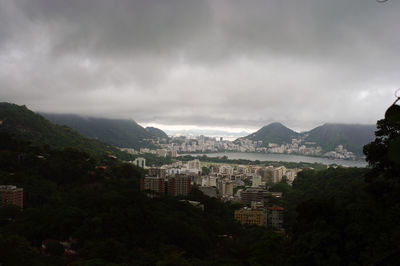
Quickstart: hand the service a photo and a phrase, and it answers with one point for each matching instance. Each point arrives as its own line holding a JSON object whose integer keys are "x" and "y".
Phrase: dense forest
{"x": 30, "y": 126}
{"x": 118, "y": 132}
{"x": 343, "y": 216}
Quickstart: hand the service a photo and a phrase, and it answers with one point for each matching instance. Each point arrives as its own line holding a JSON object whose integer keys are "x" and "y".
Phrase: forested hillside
{"x": 352, "y": 137}
{"x": 273, "y": 133}
{"x": 30, "y": 126}
{"x": 118, "y": 132}
{"x": 157, "y": 132}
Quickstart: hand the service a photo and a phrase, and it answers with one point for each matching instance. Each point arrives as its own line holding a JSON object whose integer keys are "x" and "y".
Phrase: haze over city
{"x": 209, "y": 65}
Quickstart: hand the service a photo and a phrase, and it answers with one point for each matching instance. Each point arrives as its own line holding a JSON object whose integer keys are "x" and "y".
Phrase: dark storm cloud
{"x": 206, "y": 63}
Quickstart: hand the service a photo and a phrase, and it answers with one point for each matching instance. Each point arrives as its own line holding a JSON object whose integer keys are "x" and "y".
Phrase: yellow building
{"x": 251, "y": 216}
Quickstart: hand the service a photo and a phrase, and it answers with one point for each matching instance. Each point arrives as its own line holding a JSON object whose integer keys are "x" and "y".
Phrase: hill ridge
{"x": 328, "y": 135}
{"x": 28, "y": 125}
{"x": 124, "y": 133}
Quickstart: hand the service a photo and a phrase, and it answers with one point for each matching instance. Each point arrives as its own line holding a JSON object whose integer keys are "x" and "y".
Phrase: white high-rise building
{"x": 141, "y": 162}
{"x": 256, "y": 182}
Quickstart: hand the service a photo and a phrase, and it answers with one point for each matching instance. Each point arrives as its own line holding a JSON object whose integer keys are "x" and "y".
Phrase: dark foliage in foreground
{"x": 333, "y": 217}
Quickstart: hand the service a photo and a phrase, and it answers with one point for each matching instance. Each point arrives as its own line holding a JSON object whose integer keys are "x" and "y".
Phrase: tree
{"x": 383, "y": 155}
{"x": 281, "y": 187}
{"x": 16, "y": 250}
{"x": 54, "y": 248}
{"x": 205, "y": 170}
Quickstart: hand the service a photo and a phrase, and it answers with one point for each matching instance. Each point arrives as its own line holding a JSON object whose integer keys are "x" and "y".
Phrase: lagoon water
{"x": 284, "y": 158}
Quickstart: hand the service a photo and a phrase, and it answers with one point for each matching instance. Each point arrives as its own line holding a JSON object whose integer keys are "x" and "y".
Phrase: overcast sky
{"x": 232, "y": 65}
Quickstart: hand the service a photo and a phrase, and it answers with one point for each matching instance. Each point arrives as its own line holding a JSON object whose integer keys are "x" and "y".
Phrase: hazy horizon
{"x": 230, "y": 133}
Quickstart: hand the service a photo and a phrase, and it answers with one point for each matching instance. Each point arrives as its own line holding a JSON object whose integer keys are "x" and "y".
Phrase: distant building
{"x": 158, "y": 172}
{"x": 179, "y": 185}
{"x": 278, "y": 173}
{"x": 194, "y": 164}
{"x": 154, "y": 184}
{"x": 196, "y": 180}
{"x": 229, "y": 188}
{"x": 256, "y": 181}
{"x": 11, "y": 195}
{"x": 253, "y": 194}
{"x": 275, "y": 217}
{"x": 174, "y": 171}
{"x": 129, "y": 150}
{"x": 225, "y": 188}
{"x": 226, "y": 169}
{"x": 172, "y": 153}
{"x": 251, "y": 216}
{"x": 209, "y": 181}
{"x": 140, "y": 162}
{"x": 243, "y": 169}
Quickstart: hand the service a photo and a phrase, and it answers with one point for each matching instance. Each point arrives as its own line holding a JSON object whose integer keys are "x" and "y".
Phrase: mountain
{"x": 352, "y": 136}
{"x": 273, "y": 133}
{"x": 118, "y": 132}
{"x": 207, "y": 132}
{"x": 30, "y": 126}
{"x": 157, "y": 132}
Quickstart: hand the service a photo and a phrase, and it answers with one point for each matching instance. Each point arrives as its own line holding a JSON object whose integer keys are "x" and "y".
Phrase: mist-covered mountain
{"x": 273, "y": 133}
{"x": 352, "y": 136}
{"x": 227, "y": 135}
{"x": 118, "y": 132}
{"x": 30, "y": 126}
{"x": 157, "y": 132}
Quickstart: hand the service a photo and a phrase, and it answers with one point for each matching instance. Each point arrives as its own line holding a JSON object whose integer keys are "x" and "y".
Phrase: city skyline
{"x": 203, "y": 65}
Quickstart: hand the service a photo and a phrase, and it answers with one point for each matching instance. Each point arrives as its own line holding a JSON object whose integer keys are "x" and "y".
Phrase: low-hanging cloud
{"x": 209, "y": 63}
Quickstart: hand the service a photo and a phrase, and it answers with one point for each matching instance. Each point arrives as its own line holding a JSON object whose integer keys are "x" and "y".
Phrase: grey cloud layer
{"x": 206, "y": 63}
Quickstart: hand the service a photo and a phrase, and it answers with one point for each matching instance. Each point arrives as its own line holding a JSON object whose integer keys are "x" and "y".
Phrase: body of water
{"x": 283, "y": 158}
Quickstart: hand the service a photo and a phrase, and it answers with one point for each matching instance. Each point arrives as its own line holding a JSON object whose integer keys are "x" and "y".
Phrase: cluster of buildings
{"x": 297, "y": 146}
{"x": 246, "y": 184}
{"x": 231, "y": 180}
{"x": 11, "y": 195}
{"x": 271, "y": 217}
{"x": 340, "y": 153}
{"x": 158, "y": 183}
{"x": 227, "y": 180}
{"x": 200, "y": 144}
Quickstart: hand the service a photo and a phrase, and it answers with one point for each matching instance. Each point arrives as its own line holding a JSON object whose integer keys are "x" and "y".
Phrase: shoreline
{"x": 274, "y": 157}
{"x": 358, "y": 159}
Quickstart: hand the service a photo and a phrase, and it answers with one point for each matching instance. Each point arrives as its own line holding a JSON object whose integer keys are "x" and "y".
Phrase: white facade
{"x": 256, "y": 181}
{"x": 209, "y": 181}
{"x": 140, "y": 162}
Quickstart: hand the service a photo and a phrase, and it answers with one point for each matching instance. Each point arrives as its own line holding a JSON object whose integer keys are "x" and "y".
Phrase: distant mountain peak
{"x": 329, "y": 135}
{"x": 274, "y": 132}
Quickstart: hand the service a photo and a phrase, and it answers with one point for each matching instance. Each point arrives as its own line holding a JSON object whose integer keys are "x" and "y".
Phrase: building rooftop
{"x": 275, "y": 208}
